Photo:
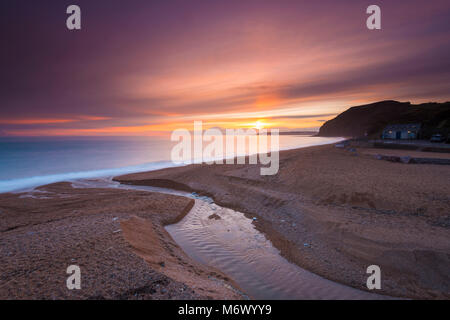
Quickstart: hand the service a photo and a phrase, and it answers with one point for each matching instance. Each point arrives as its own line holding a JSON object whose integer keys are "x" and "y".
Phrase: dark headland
{"x": 370, "y": 119}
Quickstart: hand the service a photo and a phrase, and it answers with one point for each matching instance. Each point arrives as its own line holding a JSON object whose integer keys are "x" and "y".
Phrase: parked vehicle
{"x": 437, "y": 138}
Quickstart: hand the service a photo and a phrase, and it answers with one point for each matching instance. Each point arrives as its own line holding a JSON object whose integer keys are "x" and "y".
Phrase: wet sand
{"x": 226, "y": 239}
{"x": 334, "y": 212}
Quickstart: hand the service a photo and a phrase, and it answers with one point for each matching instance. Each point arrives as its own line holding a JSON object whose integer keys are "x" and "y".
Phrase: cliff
{"x": 372, "y": 118}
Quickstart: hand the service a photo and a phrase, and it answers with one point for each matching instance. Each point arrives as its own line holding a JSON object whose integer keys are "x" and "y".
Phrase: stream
{"x": 227, "y": 240}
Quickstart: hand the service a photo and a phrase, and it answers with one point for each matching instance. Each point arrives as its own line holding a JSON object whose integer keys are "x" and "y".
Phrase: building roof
{"x": 402, "y": 127}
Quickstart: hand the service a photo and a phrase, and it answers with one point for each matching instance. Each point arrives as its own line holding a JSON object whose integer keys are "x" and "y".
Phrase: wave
{"x": 24, "y": 184}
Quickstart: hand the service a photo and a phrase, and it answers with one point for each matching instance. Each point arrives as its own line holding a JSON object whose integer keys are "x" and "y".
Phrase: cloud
{"x": 33, "y": 121}
{"x": 155, "y": 62}
{"x": 307, "y": 116}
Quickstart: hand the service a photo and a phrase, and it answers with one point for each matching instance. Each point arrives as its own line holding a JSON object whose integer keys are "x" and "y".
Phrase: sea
{"x": 26, "y": 163}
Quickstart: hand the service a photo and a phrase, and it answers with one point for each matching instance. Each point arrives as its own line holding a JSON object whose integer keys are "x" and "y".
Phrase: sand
{"x": 117, "y": 237}
{"x": 350, "y": 208}
{"x": 405, "y": 153}
{"x": 228, "y": 241}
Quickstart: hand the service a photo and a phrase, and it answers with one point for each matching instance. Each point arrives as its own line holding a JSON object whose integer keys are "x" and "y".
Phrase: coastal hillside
{"x": 370, "y": 119}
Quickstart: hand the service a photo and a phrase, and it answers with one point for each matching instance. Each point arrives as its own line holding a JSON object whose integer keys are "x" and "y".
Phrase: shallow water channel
{"x": 227, "y": 240}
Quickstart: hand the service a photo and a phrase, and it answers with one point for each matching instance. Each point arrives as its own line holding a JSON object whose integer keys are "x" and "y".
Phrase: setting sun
{"x": 259, "y": 125}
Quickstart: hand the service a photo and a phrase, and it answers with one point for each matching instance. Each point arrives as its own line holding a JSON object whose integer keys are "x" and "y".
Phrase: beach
{"x": 116, "y": 237}
{"x": 337, "y": 211}
{"x": 225, "y": 151}
{"x": 331, "y": 211}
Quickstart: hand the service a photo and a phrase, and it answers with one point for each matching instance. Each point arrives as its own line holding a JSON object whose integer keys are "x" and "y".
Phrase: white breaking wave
{"x": 24, "y": 184}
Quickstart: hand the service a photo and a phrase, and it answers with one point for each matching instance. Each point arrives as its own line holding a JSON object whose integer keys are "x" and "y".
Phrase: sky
{"x": 150, "y": 67}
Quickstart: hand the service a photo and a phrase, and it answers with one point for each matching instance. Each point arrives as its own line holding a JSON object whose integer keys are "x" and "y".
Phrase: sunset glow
{"x": 230, "y": 64}
{"x": 259, "y": 125}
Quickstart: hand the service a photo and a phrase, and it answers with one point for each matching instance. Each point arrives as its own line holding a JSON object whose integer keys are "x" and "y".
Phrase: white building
{"x": 402, "y": 131}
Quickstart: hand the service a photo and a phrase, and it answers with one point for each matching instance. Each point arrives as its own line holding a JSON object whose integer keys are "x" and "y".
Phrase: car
{"x": 437, "y": 138}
